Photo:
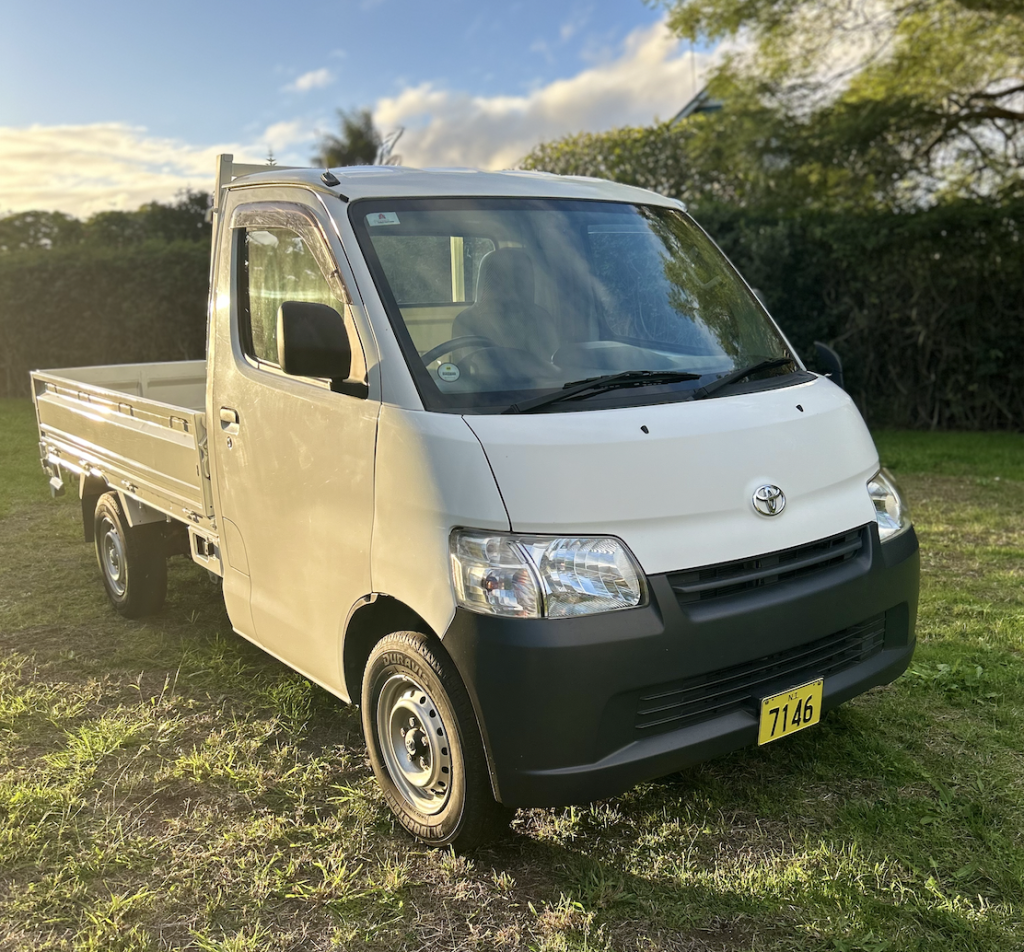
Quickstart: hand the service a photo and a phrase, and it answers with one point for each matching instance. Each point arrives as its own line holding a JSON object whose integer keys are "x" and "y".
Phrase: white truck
{"x": 515, "y": 461}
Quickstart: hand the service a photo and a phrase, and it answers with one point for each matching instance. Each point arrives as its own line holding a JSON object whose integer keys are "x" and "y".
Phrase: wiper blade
{"x": 740, "y": 374}
{"x": 592, "y": 385}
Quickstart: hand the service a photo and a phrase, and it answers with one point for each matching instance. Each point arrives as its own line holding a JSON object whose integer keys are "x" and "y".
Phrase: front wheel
{"x": 425, "y": 745}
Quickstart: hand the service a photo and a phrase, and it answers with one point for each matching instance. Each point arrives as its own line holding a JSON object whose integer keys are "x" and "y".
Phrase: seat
{"x": 505, "y": 311}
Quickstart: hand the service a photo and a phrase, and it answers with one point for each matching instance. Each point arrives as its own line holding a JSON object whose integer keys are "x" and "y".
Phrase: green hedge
{"x": 83, "y": 305}
{"x": 926, "y": 309}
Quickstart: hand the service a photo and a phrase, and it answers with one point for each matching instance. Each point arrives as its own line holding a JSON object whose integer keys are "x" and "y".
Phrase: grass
{"x": 166, "y": 785}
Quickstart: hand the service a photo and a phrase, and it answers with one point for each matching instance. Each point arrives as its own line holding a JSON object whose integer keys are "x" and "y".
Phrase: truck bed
{"x": 141, "y": 427}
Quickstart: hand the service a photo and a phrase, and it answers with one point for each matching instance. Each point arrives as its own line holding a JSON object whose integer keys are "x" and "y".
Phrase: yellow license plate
{"x": 791, "y": 711}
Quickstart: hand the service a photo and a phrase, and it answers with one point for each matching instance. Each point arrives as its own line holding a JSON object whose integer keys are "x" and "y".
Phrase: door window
{"x": 282, "y": 256}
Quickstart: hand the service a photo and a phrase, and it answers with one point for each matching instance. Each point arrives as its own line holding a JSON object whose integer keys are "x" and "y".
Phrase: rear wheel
{"x": 425, "y": 745}
{"x": 132, "y": 560}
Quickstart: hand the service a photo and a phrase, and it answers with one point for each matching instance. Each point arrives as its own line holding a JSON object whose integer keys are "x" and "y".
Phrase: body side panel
{"x": 432, "y": 475}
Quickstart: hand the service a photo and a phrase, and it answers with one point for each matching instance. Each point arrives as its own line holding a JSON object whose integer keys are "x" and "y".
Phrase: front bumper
{"x": 578, "y": 709}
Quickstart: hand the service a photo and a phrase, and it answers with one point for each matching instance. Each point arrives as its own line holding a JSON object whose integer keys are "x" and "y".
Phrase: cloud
{"x": 82, "y": 169}
{"x": 574, "y": 24}
{"x": 282, "y": 136}
{"x": 314, "y": 79}
{"x": 89, "y": 168}
{"x": 652, "y": 76}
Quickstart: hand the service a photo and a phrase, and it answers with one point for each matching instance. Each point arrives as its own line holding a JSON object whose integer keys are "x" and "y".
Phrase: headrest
{"x": 506, "y": 274}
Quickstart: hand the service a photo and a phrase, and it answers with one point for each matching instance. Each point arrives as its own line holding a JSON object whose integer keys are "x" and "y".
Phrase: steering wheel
{"x": 456, "y": 343}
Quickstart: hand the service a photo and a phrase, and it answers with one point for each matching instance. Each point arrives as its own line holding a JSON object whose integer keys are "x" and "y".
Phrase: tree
{"x": 26, "y": 231}
{"x": 182, "y": 220}
{"x": 901, "y": 102}
{"x": 748, "y": 155}
{"x": 360, "y": 143}
{"x": 653, "y": 157}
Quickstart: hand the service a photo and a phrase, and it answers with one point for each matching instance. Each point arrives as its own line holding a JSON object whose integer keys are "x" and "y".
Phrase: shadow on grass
{"x": 172, "y": 755}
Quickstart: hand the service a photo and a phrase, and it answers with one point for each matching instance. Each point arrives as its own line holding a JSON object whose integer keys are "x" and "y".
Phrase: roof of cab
{"x": 397, "y": 181}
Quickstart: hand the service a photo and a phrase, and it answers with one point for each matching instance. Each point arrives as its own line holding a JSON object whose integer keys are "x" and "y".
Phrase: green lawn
{"x": 166, "y": 785}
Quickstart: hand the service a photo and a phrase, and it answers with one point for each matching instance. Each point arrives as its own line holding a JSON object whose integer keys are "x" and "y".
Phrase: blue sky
{"x": 109, "y": 104}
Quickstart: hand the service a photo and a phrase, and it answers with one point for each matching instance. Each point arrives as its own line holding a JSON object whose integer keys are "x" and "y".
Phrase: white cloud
{"x": 82, "y": 169}
{"x": 314, "y": 79}
{"x": 573, "y": 25}
{"x": 652, "y": 76}
{"x": 282, "y": 136}
{"x": 89, "y": 168}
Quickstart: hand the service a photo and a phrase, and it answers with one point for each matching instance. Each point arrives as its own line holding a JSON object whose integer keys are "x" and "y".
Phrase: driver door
{"x": 294, "y": 458}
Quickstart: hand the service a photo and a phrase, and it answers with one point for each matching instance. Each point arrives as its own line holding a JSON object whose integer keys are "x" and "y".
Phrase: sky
{"x": 110, "y": 104}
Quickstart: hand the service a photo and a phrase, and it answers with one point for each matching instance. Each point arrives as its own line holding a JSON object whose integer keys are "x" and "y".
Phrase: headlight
{"x": 522, "y": 576}
{"x": 891, "y": 511}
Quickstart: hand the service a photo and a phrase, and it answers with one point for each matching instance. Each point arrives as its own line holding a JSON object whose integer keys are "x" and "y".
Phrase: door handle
{"x": 228, "y": 420}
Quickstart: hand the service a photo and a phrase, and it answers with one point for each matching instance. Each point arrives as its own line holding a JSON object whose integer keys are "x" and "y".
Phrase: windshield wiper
{"x": 721, "y": 382}
{"x": 592, "y": 385}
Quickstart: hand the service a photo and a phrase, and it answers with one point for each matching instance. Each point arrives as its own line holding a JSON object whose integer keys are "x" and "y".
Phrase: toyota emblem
{"x": 769, "y": 500}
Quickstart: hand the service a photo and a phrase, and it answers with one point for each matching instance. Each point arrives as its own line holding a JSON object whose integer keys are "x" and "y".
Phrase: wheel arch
{"x": 369, "y": 620}
{"x": 91, "y": 485}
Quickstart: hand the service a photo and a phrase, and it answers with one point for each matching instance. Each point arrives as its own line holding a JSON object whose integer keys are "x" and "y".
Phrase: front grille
{"x": 671, "y": 706}
{"x": 731, "y": 578}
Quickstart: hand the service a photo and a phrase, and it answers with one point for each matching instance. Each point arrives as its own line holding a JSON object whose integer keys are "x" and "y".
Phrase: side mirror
{"x": 829, "y": 359}
{"x": 312, "y": 341}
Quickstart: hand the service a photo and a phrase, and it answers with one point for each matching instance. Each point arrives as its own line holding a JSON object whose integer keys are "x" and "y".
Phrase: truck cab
{"x": 518, "y": 463}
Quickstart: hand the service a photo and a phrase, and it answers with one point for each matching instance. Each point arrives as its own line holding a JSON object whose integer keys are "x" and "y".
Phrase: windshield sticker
{"x": 383, "y": 218}
{"x": 449, "y": 372}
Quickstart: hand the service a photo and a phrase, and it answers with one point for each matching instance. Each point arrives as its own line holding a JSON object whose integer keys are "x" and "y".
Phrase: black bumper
{"x": 577, "y": 709}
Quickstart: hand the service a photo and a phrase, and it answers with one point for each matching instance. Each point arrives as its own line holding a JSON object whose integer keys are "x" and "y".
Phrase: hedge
{"x": 927, "y": 309}
{"x": 89, "y": 305}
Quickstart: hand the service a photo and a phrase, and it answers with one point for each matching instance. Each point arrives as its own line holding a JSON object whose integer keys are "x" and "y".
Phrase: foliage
{"x": 925, "y": 308}
{"x": 38, "y": 229}
{"x": 182, "y": 220}
{"x": 120, "y": 287}
{"x": 925, "y": 97}
{"x": 651, "y": 158}
{"x": 864, "y": 174}
{"x": 359, "y": 142}
{"x": 744, "y": 158}
{"x": 185, "y": 220}
{"x": 166, "y": 785}
{"x": 93, "y": 304}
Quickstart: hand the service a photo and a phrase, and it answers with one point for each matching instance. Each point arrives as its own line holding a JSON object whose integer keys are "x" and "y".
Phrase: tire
{"x": 132, "y": 560}
{"x": 425, "y": 745}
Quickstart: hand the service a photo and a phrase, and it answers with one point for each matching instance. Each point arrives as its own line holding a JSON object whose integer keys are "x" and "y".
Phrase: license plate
{"x": 791, "y": 711}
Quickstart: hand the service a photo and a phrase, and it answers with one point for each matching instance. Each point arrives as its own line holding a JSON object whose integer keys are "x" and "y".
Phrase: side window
{"x": 278, "y": 267}
{"x": 285, "y": 259}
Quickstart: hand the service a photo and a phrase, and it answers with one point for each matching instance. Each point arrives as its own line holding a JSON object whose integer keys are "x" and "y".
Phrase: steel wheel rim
{"x": 112, "y": 557}
{"x": 414, "y": 743}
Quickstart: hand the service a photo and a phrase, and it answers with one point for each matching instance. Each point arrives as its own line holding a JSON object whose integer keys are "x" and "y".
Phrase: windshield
{"x": 499, "y": 300}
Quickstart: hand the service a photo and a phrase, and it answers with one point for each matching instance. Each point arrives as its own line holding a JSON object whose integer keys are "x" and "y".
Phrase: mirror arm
{"x": 832, "y": 363}
{"x": 353, "y": 388}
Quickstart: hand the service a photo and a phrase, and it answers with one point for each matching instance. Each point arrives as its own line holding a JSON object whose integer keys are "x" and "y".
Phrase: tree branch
{"x": 1012, "y": 91}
